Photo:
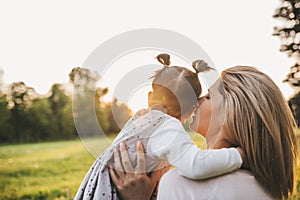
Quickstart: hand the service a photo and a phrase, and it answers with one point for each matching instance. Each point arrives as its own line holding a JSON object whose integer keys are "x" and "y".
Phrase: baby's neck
{"x": 158, "y": 107}
{"x": 162, "y": 109}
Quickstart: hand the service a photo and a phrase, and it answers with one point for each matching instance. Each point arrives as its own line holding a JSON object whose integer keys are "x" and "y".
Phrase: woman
{"x": 257, "y": 119}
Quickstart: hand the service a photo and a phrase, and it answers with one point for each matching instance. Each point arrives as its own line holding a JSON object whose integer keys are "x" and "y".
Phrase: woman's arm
{"x": 134, "y": 183}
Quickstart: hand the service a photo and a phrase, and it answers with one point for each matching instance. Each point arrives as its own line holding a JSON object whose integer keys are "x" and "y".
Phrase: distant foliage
{"x": 29, "y": 117}
{"x": 289, "y": 33}
{"x": 294, "y": 104}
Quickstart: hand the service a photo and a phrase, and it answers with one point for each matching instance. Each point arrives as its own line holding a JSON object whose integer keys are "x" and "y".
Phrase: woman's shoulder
{"x": 242, "y": 184}
{"x": 239, "y": 184}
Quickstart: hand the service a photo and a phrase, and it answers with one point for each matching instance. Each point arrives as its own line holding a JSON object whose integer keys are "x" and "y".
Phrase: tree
{"x": 118, "y": 115}
{"x": 294, "y": 104}
{"x": 101, "y": 109}
{"x": 1, "y": 79}
{"x": 62, "y": 124}
{"x": 90, "y": 110}
{"x": 28, "y": 117}
{"x": 20, "y": 98}
{"x": 84, "y": 82}
{"x": 7, "y": 133}
{"x": 83, "y": 79}
{"x": 289, "y": 34}
{"x": 6, "y": 129}
{"x": 39, "y": 117}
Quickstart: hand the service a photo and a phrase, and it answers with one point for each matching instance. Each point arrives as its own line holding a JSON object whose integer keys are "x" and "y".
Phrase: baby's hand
{"x": 244, "y": 158}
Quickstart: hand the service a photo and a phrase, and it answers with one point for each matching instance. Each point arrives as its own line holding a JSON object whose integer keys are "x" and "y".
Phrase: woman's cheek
{"x": 202, "y": 126}
{"x": 204, "y": 118}
{"x": 195, "y": 122}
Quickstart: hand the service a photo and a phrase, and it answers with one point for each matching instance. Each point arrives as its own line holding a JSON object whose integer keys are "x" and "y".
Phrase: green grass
{"x": 52, "y": 170}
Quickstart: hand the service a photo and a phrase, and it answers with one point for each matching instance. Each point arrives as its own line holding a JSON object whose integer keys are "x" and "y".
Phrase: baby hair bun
{"x": 201, "y": 66}
{"x": 164, "y": 59}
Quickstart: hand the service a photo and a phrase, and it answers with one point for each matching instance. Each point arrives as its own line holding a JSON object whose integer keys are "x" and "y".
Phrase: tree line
{"x": 288, "y": 32}
{"x": 26, "y": 116}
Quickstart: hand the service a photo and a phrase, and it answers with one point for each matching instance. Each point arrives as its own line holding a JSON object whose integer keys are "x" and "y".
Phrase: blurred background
{"x": 43, "y": 46}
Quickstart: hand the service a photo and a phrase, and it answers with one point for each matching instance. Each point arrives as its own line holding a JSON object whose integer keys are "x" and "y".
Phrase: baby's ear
{"x": 150, "y": 95}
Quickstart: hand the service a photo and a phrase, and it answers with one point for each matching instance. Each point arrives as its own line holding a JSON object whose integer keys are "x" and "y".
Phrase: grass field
{"x": 51, "y": 170}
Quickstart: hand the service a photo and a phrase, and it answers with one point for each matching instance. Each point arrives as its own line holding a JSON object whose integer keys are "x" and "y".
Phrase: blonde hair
{"x": 259, "y": 119}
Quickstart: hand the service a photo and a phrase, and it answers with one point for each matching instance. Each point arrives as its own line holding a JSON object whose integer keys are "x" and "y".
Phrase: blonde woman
{"x": 256, "y": 118}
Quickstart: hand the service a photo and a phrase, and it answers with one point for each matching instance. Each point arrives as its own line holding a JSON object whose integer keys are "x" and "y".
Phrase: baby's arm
{"x": 171, "y": 142}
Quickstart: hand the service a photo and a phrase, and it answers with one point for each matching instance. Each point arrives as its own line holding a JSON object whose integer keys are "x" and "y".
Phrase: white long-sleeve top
{"x": 165, "y": 138}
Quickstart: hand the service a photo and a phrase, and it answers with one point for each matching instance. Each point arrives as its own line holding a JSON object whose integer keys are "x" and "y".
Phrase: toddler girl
{"x": 172, "y": 100}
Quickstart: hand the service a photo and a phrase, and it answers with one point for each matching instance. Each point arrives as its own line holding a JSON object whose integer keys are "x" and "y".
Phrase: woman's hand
{"x": 134, "y": 183}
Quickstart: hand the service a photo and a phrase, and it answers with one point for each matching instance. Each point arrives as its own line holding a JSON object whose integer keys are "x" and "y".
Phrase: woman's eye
{"x": 207, "y": 97}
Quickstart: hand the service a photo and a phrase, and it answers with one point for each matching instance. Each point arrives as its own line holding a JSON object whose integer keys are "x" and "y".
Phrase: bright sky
{"x": 42, "y": 41}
